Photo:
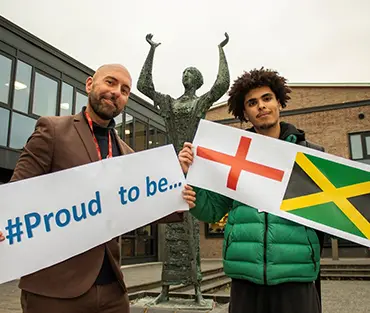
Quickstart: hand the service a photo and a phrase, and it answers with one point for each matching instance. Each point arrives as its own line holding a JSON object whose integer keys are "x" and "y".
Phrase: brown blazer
{"x": 58, "y": 143}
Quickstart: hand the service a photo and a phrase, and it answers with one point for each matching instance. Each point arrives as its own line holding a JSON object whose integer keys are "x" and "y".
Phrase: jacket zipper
{"x": 312, "y": 250}
{"x": 227, "y": 241}
{"x": 265, "y": 251}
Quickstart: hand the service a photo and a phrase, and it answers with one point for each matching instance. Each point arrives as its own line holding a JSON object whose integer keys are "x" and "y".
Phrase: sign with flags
{"x": 238, "y": 163}
{"x": 320, "y": 189}
{"x": 310, "y": 187}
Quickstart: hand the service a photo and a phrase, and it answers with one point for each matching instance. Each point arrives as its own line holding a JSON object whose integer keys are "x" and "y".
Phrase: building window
{"x": 45, "y": 96}
{"x": 119, "y": 125}
{"x": 22, "y": 86}
{"x": 145, "y": 241}
{"x": 128, "y": 247}
{"x": 140, "y": 136}
{"x": 4, "y": 123}
{"x": 140, "y": 244}
{"x": 360, "y": 146}
{"x": 161, "y": 138}
{"x": 152, "y": 138}
{"x": 81, "y": 101}
{"x": 216, "y": 230}
{"x": 5, "y": 70}
{"x": 21, "y": 129}
{"x": 66, "y": 99}
{"x": 156, "y": 138}
{"x": 129, "y": 130}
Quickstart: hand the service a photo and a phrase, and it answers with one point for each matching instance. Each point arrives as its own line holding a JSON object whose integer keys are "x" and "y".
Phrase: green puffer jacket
{"x": 260, "y": 247}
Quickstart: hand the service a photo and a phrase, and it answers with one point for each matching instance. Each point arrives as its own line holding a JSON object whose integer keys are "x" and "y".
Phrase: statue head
{"x": 192, "y": 78}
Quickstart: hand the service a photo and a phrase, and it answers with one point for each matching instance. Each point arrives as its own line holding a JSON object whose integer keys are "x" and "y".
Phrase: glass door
{"x": 140, "y": 245}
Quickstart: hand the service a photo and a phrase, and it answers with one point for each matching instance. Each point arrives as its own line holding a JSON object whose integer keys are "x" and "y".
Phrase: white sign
{"x": 256, "y": 170}
{"x": 50, "y": 218}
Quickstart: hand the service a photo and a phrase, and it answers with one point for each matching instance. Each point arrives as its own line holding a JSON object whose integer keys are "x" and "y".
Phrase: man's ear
{"x": 89, "y": 83}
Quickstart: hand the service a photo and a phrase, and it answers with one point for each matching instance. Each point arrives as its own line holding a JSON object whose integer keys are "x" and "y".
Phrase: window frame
{"x": 61, "y": 94}
{"x": 30, "y": 97}
{"x": 209, "y": 235}
{"x": 364, "y": 134}
{"x": 76, "y": 89}
{"x": 8, "y": 133}
{"x": 35, "y": 117}
{"x": 12, "y": 78}
{"x": 33, "y": 83}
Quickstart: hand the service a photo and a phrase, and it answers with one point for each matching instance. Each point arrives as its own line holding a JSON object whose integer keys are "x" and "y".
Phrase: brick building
{"x": 336, "y": 116}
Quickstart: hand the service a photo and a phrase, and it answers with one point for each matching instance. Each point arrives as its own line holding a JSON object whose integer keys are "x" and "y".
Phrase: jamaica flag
{"x": 329, "y": 193}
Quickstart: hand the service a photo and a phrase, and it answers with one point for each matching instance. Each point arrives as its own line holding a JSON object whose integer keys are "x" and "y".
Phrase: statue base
{"x": 174, "y": 305}
{"x": 141, "y": 302}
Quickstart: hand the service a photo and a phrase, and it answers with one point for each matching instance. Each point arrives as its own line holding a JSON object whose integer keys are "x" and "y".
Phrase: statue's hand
{"x": 151, "y": 42}
{"x": 224, "y": 43}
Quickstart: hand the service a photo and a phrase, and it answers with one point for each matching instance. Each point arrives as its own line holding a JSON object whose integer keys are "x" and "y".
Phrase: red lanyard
{"x": 110, "y": 151}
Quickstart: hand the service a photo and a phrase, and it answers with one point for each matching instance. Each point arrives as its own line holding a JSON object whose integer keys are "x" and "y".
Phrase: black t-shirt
{"x": 101, "y": 135}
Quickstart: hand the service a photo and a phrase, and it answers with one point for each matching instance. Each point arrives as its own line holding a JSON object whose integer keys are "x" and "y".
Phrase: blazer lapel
{"x": 85, "y": 135}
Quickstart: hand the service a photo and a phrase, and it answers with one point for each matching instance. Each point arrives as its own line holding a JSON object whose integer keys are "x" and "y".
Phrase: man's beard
{"x": 98, "y": 107}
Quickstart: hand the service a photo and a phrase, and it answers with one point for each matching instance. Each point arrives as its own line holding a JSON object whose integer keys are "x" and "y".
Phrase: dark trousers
{"x": 99, "y": 299}
{"x": 246, "y": 297}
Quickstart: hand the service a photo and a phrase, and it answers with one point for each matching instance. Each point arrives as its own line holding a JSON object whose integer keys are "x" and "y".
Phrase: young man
{"x": 273, "y": 262}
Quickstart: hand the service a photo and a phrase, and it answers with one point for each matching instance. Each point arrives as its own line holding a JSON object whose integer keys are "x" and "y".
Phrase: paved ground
{"x": 341, "y": 296}
{"x": 338, "y": 296}
{"x": 346, "y": 296}
{"x": 134, "y": 275}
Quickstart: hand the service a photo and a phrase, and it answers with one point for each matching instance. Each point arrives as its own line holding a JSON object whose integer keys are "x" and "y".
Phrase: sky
{"x": 316, "y": 41}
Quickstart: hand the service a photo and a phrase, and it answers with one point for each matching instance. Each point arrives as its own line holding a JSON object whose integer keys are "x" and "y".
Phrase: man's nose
{"x": 261, "y": 104}
{"x": 116, "y": 92}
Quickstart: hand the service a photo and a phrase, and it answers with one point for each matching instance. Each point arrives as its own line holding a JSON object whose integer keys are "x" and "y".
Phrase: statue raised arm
{"x": 222, "y": 83}
{"x": 145, "y": 83}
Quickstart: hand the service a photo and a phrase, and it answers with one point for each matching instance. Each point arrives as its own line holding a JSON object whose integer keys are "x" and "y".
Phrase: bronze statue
{"x": 182, "y": 259}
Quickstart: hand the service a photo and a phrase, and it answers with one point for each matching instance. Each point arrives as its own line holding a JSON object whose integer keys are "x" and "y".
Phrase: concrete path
{"x": 338, "y": 296}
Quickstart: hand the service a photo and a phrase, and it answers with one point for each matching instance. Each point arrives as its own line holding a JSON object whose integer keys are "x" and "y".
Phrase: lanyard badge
{"x": 110, "y": 151}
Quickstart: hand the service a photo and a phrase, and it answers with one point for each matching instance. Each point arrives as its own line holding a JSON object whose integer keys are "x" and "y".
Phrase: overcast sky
{"x": 306, "y": 41}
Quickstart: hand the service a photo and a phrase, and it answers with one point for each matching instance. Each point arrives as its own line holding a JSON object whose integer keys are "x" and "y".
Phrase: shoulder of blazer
{"x": 61, "y": 120}
{"x": 125, "y": 147}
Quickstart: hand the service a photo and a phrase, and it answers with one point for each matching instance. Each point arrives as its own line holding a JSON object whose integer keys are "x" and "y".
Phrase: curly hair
{"x": 254, "y": 79}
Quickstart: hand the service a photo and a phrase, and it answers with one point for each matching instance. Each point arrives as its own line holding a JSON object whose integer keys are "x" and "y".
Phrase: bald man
{"x": 91, "y": 281}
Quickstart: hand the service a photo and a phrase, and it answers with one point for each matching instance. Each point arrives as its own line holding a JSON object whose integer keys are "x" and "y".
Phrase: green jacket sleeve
{"x": 210, "y": 207}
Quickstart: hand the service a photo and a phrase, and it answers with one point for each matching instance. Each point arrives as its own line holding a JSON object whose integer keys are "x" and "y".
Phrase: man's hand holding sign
{"x": 186, "y": 157}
